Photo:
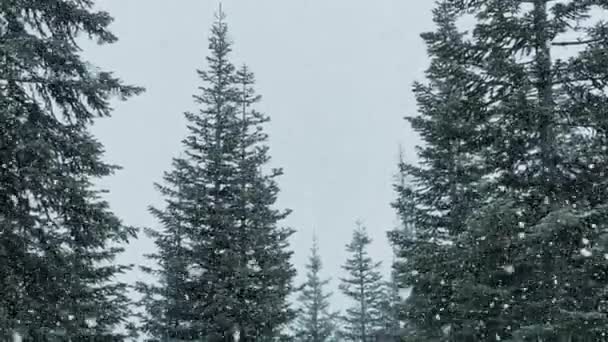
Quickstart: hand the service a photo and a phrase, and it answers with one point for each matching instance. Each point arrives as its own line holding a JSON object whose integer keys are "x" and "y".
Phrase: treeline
{"x": 503, "y": 233}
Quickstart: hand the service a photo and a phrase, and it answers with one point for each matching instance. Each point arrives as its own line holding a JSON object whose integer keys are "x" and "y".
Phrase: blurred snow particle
{"x": 586, "y": 252}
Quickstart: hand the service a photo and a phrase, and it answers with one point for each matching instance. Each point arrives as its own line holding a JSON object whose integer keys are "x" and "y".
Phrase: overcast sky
{"x": 335, "y": 76}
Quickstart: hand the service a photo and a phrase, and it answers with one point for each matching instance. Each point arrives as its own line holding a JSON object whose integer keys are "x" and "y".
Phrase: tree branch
{"x": 578, "y": 42}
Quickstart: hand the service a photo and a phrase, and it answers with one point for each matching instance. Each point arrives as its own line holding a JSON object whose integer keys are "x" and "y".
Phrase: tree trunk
{"x": 544, "y": 86}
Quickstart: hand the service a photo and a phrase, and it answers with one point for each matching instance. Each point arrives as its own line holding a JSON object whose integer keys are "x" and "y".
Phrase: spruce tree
{"x": 263, "y": 244}
{"x": 435, "y": 196}
{"x": 58, "y": 237}
{"x": 223, "y": 261}
{"x": 531, "y": 250}
{"x": 389, "y": 310}
{"x": 364, "y": 287}
{"x": 541, "y": 237}
{"x": 315, "y": 322}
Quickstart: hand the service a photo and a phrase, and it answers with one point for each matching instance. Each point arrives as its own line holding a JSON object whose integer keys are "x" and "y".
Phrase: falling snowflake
{"x": 446, "y": 329}
{"x": 91, "y": 322}
{"x": 585, "y": 241}
{"x": 586, "y": 252}
{"x": 404, "y": 293}
{"x": 509, "y": 269}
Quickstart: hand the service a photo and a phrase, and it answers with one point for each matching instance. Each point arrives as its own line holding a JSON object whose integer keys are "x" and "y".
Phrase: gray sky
{"x": 335, "y": 76}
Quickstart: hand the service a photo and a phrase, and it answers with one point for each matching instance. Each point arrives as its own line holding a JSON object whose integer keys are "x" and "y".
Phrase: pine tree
{"x": 435, "y": 197}
{"x": 364, "y": 286}
{"x": 542, "y": 275}
{"x": 315, "y": 322}
{"x": 267, "y": 270}
{"x": 223, "y": 261}
{"x": 531, "y": 252}
{"x": 58, "y": 237}
{"x": 389, "y": 310}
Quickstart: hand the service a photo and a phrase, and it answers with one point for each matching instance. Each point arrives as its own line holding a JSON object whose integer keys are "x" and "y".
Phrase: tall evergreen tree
{"x": 364, "y": 287}
{"x": 435, "y": 197}
{"x": 531, "y": 253}
{"x": 265, "y": 255}
{"x": 315, "y": 323}
{"x": 58, "y": 237}
{"x": 223, "y": 261}
{"x": 542, "y": 274}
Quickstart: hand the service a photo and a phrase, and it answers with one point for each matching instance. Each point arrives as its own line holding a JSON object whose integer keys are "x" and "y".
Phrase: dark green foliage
{"x": 525, "y": 258}
{"x": 167, "y": 303}
{"x": 389, "y": 306}
{"x": 58, "y": 237}
{"x": 363, "y": 286}
{"x": 267, "y": 270}
{"x": 546, "y": 225}
{"x": 435, "y": 197}
{"x": 223, "y": 261}
{"x": 315, "y": 322}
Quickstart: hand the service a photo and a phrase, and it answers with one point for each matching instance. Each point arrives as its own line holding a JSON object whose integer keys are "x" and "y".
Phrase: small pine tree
{"x": 389, "y": 310}
{"x": 58, "y": 238}
{"x": 364, "y": 287}
{"x": 315, "y": 322}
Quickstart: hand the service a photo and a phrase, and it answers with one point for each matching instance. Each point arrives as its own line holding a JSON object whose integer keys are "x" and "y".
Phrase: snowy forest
{"x": 503, "y": 216}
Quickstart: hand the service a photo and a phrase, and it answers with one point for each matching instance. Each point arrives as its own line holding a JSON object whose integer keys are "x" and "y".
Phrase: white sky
{"x": 335, "y": 76}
